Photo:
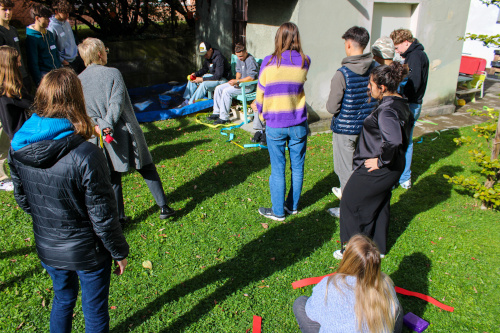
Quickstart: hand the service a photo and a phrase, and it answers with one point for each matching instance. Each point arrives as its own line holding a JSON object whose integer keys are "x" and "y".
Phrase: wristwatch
{"x": 237, "y": 82}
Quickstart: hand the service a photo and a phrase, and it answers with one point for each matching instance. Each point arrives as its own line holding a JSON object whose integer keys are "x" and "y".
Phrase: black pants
{"x": 365, "y": 205}
{"x": 152, "y": 179}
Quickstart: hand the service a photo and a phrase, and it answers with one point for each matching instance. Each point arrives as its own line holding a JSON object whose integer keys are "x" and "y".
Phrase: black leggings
{"x": 152, "y": 179}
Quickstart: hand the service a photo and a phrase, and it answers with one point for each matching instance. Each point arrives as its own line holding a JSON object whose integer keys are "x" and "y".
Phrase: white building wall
{"x": 482, "y": 21}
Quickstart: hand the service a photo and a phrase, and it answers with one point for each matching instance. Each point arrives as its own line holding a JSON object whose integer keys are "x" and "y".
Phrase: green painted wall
{"x": 322, "y": 23}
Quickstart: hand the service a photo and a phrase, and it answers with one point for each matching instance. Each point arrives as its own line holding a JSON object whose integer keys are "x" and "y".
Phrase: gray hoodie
{"x": 65, "y": 40}
{"x": 359, "y": 64}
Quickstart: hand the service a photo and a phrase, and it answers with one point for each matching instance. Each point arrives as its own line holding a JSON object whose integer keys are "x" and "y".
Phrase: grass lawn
{"x": 218, "y": 262}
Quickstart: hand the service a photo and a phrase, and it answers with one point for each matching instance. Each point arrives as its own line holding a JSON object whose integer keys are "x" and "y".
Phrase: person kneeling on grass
{"x": 358, "y": 298}
{"x": 247, "y": 70}
{"x": 62, "y": 181}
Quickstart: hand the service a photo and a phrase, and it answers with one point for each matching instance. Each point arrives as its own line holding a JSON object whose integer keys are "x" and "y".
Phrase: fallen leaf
{"x": 249, "y": 199}
{"x": 43, "y": 302}
{"x": 147, "y": 264}
{"x": 265, "y": 225}
{"x": 20, "y": 325}
{"x": 273, "y": 259}
{"x": 246, "y": 295}
{"x": 475, "y": 290}
{"x": 473, "y": 258}
{"x": 433, "y": 242}
{"x": 27, "y": 239}
{"x": 144, "y": 237}
{"x": 113, "y": 307}
{"x": 218, "y": 250}
{"x": 195, "y": 186}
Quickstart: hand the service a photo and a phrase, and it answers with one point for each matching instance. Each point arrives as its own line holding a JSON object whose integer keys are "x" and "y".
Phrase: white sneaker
{"x": 290, "y": 212}
{"x": 7, "y": 186}
{"x": 406, "y": 185}
{"x": 338, "y": 255}
{"x": 335, "y": 212}
{"x": 337, "y": 191}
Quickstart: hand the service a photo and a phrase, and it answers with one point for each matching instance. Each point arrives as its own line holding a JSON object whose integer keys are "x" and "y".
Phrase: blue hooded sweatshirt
{"x": 41, "y": 52}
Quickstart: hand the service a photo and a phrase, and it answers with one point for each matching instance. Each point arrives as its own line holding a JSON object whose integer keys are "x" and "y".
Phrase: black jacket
{"x": 64, "y": 185}
{"x": 385, "y": 135}
{"x": 417, "y": 61}
{"x": 13, "y": 112}
{"x": 217, "y": 65}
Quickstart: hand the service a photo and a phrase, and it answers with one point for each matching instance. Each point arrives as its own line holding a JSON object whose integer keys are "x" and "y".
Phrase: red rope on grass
{"x": 316, "y": 280}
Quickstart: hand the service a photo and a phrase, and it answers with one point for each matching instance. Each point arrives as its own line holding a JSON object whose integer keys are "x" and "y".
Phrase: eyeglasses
{"x": 107, "y": 50}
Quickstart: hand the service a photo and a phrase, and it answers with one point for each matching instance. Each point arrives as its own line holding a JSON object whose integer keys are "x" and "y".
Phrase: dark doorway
{"x": 240, "y": 18}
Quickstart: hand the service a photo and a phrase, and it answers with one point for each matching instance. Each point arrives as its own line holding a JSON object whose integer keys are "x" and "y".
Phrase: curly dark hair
{"x": 389, "y": 76}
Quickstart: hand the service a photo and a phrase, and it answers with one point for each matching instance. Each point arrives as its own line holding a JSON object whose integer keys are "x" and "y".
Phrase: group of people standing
{"x": 371, "y": 136}
{"x": 83, "y": 135}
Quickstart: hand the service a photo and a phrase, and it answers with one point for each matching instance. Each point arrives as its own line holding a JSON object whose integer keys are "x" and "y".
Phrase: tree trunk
{"x": 495, "y": 149}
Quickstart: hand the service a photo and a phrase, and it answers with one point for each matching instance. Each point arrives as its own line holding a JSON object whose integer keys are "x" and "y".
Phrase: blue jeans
{"x": 195, "y": 91}
{"x": 95, "y": 292}
{"x": 415, "y": 109}
{"x": 277, "y": 138}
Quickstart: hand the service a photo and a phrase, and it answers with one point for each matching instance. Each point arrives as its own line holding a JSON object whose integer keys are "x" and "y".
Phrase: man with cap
{"x": 383, "y": 51}
{"x": 215, "y": 71}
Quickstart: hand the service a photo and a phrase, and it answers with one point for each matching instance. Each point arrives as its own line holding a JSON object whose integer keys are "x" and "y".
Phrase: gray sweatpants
{"x": 223, "y": 97}
{"x": 343, "y": 152}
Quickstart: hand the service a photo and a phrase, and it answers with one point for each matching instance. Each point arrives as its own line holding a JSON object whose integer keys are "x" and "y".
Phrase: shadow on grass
{"x": 154, "y": 135}
{"x": 275, "y": 250}
{"x": 22, "y": 250}
{"x": 320, "y": 190}
{"x": 168, "y": 151}
{"x": 412, "y": 274}
{"x": 15, "y": 280}
{"x": 218, "y": 179}
{"x": 428, "y": 193}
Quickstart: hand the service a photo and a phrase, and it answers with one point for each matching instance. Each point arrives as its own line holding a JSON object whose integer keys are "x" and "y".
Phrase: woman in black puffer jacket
{"x": 62, "y": 181}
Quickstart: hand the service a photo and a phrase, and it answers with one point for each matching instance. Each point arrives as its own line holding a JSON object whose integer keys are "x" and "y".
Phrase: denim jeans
{"x": 95, "y": 292}
{"x": 196, "y": 91}
{"x": 277, "y": 138}
{"x": 415, "y": 110}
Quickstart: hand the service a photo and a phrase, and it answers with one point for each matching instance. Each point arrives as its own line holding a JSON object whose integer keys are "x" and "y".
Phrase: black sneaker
{"x": 221, "y": 122}
{"x": 213, "y": 117}
{"x": 165, "y": 212}
{"x": 268, "y": 212}
{"x": 263, "y": 139}
{"x": 257, "y": 136}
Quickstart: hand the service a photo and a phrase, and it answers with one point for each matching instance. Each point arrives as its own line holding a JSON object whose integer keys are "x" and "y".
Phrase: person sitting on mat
{"x": 247, "y": 70}
{"x": 215, "y": 71}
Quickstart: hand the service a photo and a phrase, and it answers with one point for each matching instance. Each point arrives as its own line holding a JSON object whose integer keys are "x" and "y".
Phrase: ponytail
{"x": 389, "y": 76}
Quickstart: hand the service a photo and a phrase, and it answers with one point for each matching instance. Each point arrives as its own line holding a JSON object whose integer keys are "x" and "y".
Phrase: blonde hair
{"x": 60, "y": 95}
{"x": 375, "y": 306}
{"x": 89, "y": 50}
{"x": 10, "y": 76}
{"x": 400, "y": 35}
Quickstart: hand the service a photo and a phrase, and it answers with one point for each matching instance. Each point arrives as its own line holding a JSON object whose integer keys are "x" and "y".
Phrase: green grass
{"x": 215, "y": 265}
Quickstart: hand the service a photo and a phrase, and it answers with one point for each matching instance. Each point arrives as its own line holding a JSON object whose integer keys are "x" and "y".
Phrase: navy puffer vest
{"x": 355, "y": 106}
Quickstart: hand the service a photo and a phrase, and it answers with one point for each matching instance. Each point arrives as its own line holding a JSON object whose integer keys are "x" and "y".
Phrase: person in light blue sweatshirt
{"x": 357, "y": 298}
{"x": 41, "y": 48}
{"x": 65, "y": 40}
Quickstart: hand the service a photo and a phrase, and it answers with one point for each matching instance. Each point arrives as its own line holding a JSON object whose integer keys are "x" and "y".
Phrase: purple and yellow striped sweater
{"x": 280, "y": 93}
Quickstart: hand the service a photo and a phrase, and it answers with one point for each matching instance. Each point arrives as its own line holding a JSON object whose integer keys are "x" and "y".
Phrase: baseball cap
{"x": 383, "y": 48}
{"x": 204, "y": 47}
